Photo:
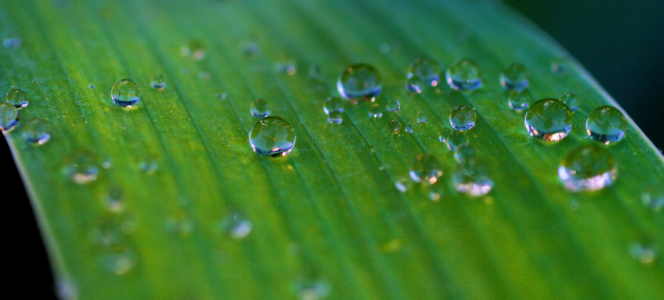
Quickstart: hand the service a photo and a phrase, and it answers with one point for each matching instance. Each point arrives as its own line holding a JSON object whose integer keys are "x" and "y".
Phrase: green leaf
{"x": 326, "y": 218}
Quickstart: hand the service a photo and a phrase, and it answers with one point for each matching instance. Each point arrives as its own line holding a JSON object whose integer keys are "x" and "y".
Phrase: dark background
{"x": 620, "y": 43}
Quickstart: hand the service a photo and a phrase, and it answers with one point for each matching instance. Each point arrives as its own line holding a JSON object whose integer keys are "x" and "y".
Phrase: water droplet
{"x": 384, "y": 48}
{"x": 159, "y": 82}
{"x": 453, "y": 139}
{"x": 148, "y": 165}
{"x": 464, "y": 152}
{"x": 312, "y": 289}
{"x": 250, "y": 49}
{"x": 549, "y": 120}
{"x": 81, "y": 168}
{"x": 18, "y": 98}
{"x": 653, "y": 198}
{"x": 12, "y": 43}
{"x": 425, "y": 168}
{"x": 335, "y": 117}
{"x": 393, "y": 105}
{"x": 463, "y": 118}
{"x": 588, "y": 168}
{"x": 426, "y": 68}
{"x": 606, "y": 124}
{"x": 402, "y": 184}
{"x": 472, "y": 177}
{"x": 421, "y": 118}
{"x": 333, "y": 104}
{"x": 114, "y": 200}
{"x": 220, "y": 94}
{"x": 644, "y": 252}
{"x": 259, "y": 108}
{"x": 409, "y": 129}
{"x": 464, "y": 74}
{"x": 126, "y": 93}
{"x": 414, "y": 84}
{"x": 180, "y": 224}
{"x": 195, "y": 48}
{"x": 359, "y": 81}
{"x": 92, "y": 86}
{"x": 8, "y": 116}
{"x": 515, "y": 77}
{"x": 571, "y": 100}
{"x": 106, "y": 234}
{"x": 560, "y": 66}
{"x": 375, "y": 111}
{"x": 437, "y": 191}
{"x": 287, "y": 67}
{"x": 119, "y": 263}
{"x": 235, "y": 225}
{"x": 519, "y": 100}
{"x": 66, "y": 289}
{"x": 272, "y": 136}
{"x": 395, "y": 126}
{"x": 36, "y": 131}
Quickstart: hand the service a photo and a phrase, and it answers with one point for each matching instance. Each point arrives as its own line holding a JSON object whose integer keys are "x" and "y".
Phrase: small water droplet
{"x": 180, "y": 224}
{"x": 18, "y": 98}
{"x": 453, "y": 139}
{"x": 520, "y": 100}
{"x": 114, "y": 200}
{"x": 359, "y": 81}
{"x": 425, "y": 168}
{"x": 272, "y": 136}
{"x": 395, "y": 126}
{"x": 402, "y": 184}
{"x": 8, "y": 116}
{"x": 643, "y": 252}
{"x": 465, "y": 74}
{"x": 333, "y": 104}
{"x": 414, "y": 84}
{"x": 426, "y": 68}
{"x": 259, "y": 108}
{"x": 195, "y": 48}
{"x": 126, "y": 93}
{"x": 549, "y": 120}
{"x": 515, "y": 77}
{"x": 464, "y": 152}
{"x": 286, "y": 67}
{"x": 437, "y": 191}
{"x": 588, "y": 168}
{"x": 236, "y": 225}
{"x": 606, "y": 124}
{"x": 36, "y": 132}
{"x": 250, "y": 49}
{"x": 463, "y": 118}
{"x": 571, "y": 100}
{"x": 220, "y": 94}
{"x": 393, "y": 105}
{"x": 653, "y": 198}
{"x": 12, "y": 43}
{"x": 421, "y": 118}
{"x": 560, "y": 66}
{"x": 312, "y": 289}
{"x": 375, "y": 111}
{"x": 472, "y": 177}
{"x": 92, "y": 86}
{"x": 159, "y": 82}
{"x": 119, "y": 263}
{"x": 335, "y": 117}
{"x": 81, "y": 168}
{"x": 66, "y": 289}
{"x": 384, "y": 48}
{"x": 409, "y": 129}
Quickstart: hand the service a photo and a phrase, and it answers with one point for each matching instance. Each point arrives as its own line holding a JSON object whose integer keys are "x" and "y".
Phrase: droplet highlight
{"x": 119, "y": 263}
{"x": 236, "y": 225}
{"x": 414, "y": 84}
{"x": 272, "y": 136}
{"x": 588, "y": 168}
{"x": 464, "y": 75}
{"x": 463, "y": 118}
{"x": 549, "y": 120}
{"x": 606, "y": 124}
{"x": 393, "y": 106}
{"x": 359, "y": 81}
{"x": 375, "y": 111}
{"x": 126, "y": 93}
{"x": 335, "y": 117}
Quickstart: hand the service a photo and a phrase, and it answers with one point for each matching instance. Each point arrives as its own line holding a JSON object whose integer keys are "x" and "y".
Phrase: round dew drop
{"x": 463, "y": 118}
{"x": 515, "y": 77}
{"x": 421, "y": 118}
{"x": 606, "y": 124}
{"x": 588, "y": 168}
{"x": 519, "y": 100}
{"x": 426, "y": 68}
{"x": 375, "y": 111}
{"x": 393, "y": 106}
{"x": 272, "y": 136}
{"x": 549, "y": 120}
{"x": 335, "y": 117}
{"x": 359, "y": 81}
{"x": 159, "y": 82}
{"x": 236, "y": 225}
{"x": 426, "y": 169}
{"x": 126, "y": 93}
{"x": 333, "y": 104}
{"x": 195, "y": 48}
{"x": 81, "y": 168}
{"x": 36, "y": 132}
{"x": 8, "y": 116}
{"x": 464, "y": 75}
{"x": 409, "y": 129}
{"x": 395, "y": 126}
{"x": 18, "y": 98}
{"x": 571, "y": 100}
{"x": 259, "y": 108}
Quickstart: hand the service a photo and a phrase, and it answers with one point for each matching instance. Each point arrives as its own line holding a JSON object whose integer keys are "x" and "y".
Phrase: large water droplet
{"x": 453, "y": 139}
{"x": 119, "y": 263}
{"x": 653, "y": 198}
{"x": 519, "y": 100}
{"x": 588, "y": 168}
{"x": 421, "y": 118}
{"x": 8, "y": 116}
{"x": 515, "y": 77}
{"x": 394, "y": 106}
{"x": 464, "y": 74}
{"x": 425, "y": 168}
{"x": 414, "y": 84}
{"x": 312, "y": 289}
{"x": 18, "y": 98}
{"x": 472, "y": 178}
{"x": 259, "y": 108}
{"x": 333, "y": 104}
{"x": 426, "y": 68}
{"x": 159, "y": 82}
{"x": 571, "y": 100}
{"x": 375, "y": 111}
{"x": 195, "y": 48}
{"x": 236, "y": 225}
{"x": 335, "y": 117}
{"x": 12, "y": 43}
{"x": 272, "y": 136}
{"x": 395, "y": 126}
{"x": 359, "y": 81}
{"x": 549, "y": 120}
{"x": 81, "y": 168}
{"x": 463, "y": 118}
{"x": 126, "y": 93}
{"x": 36, "y": 131}
{"x": 643, "y": 252}
{"x": 606, "y": 124}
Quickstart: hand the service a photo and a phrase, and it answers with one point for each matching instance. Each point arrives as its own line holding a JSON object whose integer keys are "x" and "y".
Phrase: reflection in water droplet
{"x": 463, "y": 118}
{"x": 66, "y": 289}
{"x": 515, "y": 77}
{"x": 519, "y": 100}
{"x": 195, "y": 48}
{"x": 333, "y": 104}
{"x": 36, "y": 132}
{"x": 236, "y": 225}
{"x": 472, "y": 178}
{"x": 259, "y": 108}
{"x": 335, "y": 117}
{"x": 453, "y": 139}
{"x": 312, "y": 289}
{"x": 393, "y": 105}
{"x": 159, "y": 82}
{"x": 644, "y": 252}
{"x": 402, "y": 184}
{"x": 18, "y": 98}
{"x": 588, "y": 168}
{"x": 395, "y": 126}
{"x": 571, "y": 100}
{"x": 414, "y": 84}
{"x": 359, "y": 81}
{"x": 549, "y": 120}
{"x": 12, "y": 43}
{"x": 126, "y": 93}
{"x": 426, "y": 169}
{"x": 375, "y": 111}
{"x": 119, "y": 263}
{"x": 409, "y": 129}
{"x": 287, "y": 67}
{"x": 421, "y": 118}
{"x": 8, "y": 116}
{"x": 81, "y": 168}
{"x": 606, "y": 124}
{"x": 426, "y": 68}
{"x": 272, "y": 136}
{"x": 465, "y": 74}
{"x": 653, "y": 198}
{"x": 464, "y": 152}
